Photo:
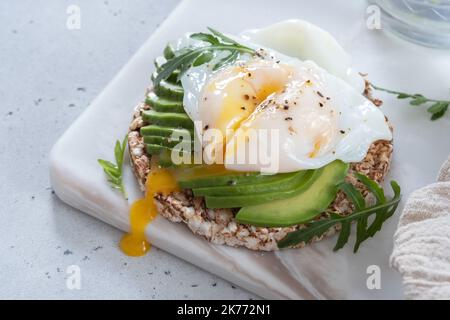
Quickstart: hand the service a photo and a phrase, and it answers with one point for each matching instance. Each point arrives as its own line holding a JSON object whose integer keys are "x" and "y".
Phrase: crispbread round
{"x": 219, "y": 225}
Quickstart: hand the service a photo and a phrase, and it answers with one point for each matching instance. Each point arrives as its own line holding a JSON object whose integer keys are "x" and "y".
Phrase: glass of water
{"x": 426, "y": 22}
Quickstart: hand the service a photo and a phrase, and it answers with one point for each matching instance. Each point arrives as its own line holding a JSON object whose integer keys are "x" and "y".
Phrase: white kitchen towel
{"x": 422, "y": 241}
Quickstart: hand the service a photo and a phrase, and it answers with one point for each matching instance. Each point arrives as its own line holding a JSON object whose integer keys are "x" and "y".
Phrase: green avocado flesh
{"x": 235, "y": 179}
{"x": 164, "y": 105}
{"x": 276, "y": 183}
{"x": 162, "y": 141}
{"x": 166, "y": 116}
{"x": 164, "y": 158}
{"x": 169, "y": 90}
{"x": 156, "y": 149}
{"x": 249, "y": 199}
{"x": 301, "y": 207}
{"x": 168, "y": 119}
{"x": 156, "y": 130}
{"x": 173, "y": 78}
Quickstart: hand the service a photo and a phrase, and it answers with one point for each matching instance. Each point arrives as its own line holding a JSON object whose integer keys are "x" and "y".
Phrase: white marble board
{"x": 312, "y": 272}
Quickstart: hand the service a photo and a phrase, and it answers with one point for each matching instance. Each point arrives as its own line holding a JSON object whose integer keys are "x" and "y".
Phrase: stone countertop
{"x": 49, "y": 74}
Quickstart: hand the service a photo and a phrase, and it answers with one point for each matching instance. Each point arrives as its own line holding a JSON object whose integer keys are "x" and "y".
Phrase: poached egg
{"x": 299, "y": 90}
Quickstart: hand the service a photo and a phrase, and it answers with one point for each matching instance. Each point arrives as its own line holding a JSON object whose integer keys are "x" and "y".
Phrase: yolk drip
{"x": 143, "y": 211}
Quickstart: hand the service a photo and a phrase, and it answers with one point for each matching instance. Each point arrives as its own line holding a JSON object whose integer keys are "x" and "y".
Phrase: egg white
{"x": 305, "y": 41}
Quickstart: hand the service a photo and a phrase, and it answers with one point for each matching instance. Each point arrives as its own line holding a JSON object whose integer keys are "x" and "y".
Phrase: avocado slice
{"x": 235, "y": 179}
{"x": 242, "y": 200}
{"x": 302, "y": 207}
{"x": 164, "y": 105}
{"x": 164, "y": 159}
{"x": 169, "y": 90}
{"x": 156, "y": 130}
{"x": 162, "y": 141}
{"x": 167, "y": 115}
{"x": 156, "y": 149}
{"x": 275, "y": 183}
{"x": 172, "y": 78}
{"x": 168, "y": 119}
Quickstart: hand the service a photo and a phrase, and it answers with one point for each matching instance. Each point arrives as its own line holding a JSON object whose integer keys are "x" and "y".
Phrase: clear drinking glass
{"x": 426, "y": 22}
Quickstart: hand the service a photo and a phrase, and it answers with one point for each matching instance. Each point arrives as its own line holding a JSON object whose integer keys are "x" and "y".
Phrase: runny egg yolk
{"x": 237, "y": 91}
{"x": 316, "y": 148}
{"x": 143, "y": 211}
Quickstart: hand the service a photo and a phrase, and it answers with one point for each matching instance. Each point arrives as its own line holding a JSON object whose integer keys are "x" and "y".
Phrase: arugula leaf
{"x": 187, "y": 57}
{"x": 403, "y": 96}
{"x": 205, "y": 57}
{"x": 437, "y": 110}
{"x": 229, "y": 58}
{"x": 206, "y": 37}
{"x": 114, "y": 171}
{"x": 382, "y": 209}
{"x": 418, "y": 101}
{"x": 179, "y": 61}
{"x": 222, "y": 37}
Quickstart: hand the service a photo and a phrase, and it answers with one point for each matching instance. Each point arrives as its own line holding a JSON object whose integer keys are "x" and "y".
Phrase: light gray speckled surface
{"x": 48, "y": 75}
